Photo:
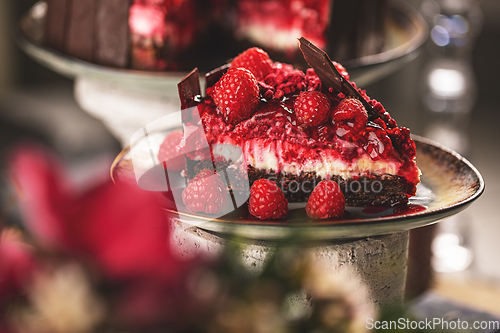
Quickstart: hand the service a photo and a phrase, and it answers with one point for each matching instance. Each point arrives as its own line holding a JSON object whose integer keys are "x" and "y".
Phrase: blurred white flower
{"x": 62, "y": 301}
{"x": 339, "y": 298}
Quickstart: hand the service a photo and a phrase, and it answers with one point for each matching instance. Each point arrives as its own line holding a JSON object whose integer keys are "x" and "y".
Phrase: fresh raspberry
{"x": 352, "y": 111}
{"x": 205, "y": 193}
{"x": 267, "y": 201}
{"x": 175, "y": 161}
{"x": 326, "y": 201}
{"x": 236, "y": 95}
{"x": 311, "y": 108}
{"x": 255, "y": 60}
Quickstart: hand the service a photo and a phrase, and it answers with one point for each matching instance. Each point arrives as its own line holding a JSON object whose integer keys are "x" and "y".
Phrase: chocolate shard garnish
{"x": 214, "y": 76}
{"x": 189, "y": 89}
{"x": 56, "y": 21}
{"x": 329, "y": 75}
{"x": 112, "y": 39}
{"x": 189, "y": 92}
{"x": 80, "y": 33}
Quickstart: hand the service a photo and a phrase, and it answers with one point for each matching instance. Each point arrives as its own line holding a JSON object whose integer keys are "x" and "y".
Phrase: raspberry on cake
{"x": 236, "y": 95}
{"x": 255, "y": 60}
{"x": 326, "y": 201}
{"x": 311, "y": 108}
{"x": 267, "y": 201}
{"x": 205, "y": 193}
{"x": 297, "y": 130}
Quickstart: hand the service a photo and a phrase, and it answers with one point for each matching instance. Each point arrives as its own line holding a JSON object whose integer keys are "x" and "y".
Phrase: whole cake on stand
{"x": 162, "y": 34}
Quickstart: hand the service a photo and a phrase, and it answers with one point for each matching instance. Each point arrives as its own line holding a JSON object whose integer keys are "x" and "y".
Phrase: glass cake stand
{"x": 449, "y": 184}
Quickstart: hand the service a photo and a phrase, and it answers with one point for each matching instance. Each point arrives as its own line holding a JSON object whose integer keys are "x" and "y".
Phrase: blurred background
{"x": 449, "y": 93}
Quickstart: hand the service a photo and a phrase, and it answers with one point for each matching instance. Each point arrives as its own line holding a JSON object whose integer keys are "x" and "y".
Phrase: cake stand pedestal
{"x": 123, "y": 107}
{"x": 376, "y": 264}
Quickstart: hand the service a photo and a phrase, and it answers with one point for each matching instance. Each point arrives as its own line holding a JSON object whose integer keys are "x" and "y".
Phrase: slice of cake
{"x": 295, "y": 130}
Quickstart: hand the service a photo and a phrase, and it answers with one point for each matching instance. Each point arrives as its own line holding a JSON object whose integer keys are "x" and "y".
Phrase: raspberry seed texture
{"x": 326, "y": 201}
{"x": 236, "y": 95}
{"x": 205, "y": 193}
{"x": 267, "y": 201}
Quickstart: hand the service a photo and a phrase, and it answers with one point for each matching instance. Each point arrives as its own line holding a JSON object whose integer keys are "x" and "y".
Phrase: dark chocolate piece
{"x": 112, "y": 47}
{"x": 56, "y": 23}
{"x": 189, "y": 89}
{"x": 214, "y": 76}
{"x": 80, "y": 34}
{"x": 329, "y": 75}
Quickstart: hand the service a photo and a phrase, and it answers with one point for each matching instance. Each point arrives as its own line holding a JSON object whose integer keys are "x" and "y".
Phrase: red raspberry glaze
{"x": 236, "y": 95}
{"x": 267, "y": 201}
{"x": 326, "y": 201}
{"x": 341, "y": 70}
{"x": 352, "y": 112}
{"x": 205, "y": 193}
{"x": 255, "y": 60}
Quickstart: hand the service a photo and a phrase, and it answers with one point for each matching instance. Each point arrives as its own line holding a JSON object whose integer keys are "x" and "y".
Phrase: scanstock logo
{"x": 152, "y": 174}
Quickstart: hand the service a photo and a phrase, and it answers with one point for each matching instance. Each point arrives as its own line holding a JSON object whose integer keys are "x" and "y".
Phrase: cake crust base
{"x": 383, "y": 190}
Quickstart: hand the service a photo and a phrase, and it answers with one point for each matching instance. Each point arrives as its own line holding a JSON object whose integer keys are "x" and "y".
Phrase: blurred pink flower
{"x": 16, "y": 265}
{"x": 120, "y": 228}
{"x": 119, "y": 231}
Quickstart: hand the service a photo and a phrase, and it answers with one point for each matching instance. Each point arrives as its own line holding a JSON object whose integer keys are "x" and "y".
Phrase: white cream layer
{"x": 264, "y": 155}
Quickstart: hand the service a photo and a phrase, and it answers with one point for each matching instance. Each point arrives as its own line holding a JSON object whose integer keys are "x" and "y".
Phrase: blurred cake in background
{"x": 348, "y": 29}
{"x": 161, "y": 35}
{"x": 159, "y": 29}
{"x": 275, "y": 24}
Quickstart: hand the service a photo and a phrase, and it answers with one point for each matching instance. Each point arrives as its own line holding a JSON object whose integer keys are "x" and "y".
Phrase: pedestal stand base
{"x": 123, "y": 108}
{"x": 377, "y": 263}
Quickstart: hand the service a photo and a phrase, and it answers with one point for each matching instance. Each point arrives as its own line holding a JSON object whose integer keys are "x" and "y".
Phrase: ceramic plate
{"x": 449, "y": 184}
{"x": 407, "y": 31}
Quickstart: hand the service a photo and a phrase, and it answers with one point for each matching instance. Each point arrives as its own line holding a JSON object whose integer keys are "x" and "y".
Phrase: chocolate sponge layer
{"x": 384, "y": 190}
